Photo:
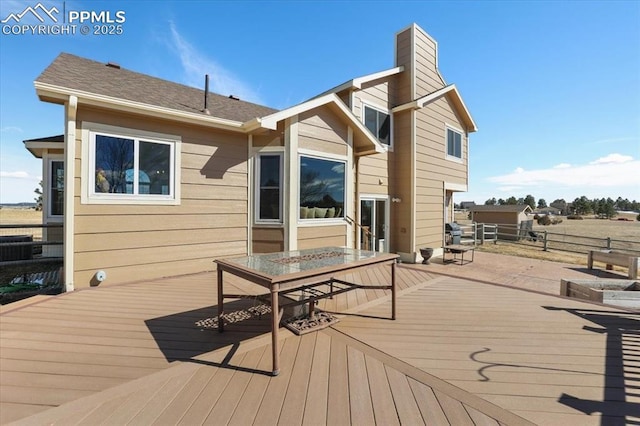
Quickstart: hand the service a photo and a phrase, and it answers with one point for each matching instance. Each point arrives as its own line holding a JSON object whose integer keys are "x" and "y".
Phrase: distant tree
{"x": 501, "y": 202}
{"x": 511, "y": 201}
{"x": 490, "y": 202}
{"x": 582, "y": 206}
{"x": 604, "y": 208}
{"x": 38, "y": 199}
{"x": 530, "y": 201}
{"x": 561, "y": 204}
{"x": 542, "y": 203}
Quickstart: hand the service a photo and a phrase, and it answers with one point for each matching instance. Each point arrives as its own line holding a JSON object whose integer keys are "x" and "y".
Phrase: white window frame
{"x": 48, "y": 187}
{"x": 366, "y": 104}
{"x": 258, "y": 164}
{"x": 449, "y": 157}
{"x": 327, "y": 157}
{"x": 89, "y": 196}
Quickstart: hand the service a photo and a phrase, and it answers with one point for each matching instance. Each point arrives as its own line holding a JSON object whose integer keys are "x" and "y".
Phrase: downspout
{"x": 69, "y": 179}
{"x": 353, "y": 235}
{"x": 292, "y": 170}
{"x": 251, "y": 188}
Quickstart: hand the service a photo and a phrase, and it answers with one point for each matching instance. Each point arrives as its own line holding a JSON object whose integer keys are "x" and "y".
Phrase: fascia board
{"x": 357, "y": 83}
{"x": 450, "y": 90}
{"x": 37, "y": 148}
{"x": 271, "y": 121}
{"x": 45, "y": 90}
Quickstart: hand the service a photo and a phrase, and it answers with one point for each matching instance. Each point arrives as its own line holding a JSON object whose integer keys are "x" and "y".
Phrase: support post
{"x": 275, "y": 324}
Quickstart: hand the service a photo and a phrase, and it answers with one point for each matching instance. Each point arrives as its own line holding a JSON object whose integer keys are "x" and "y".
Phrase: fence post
{"x": 608, "y": 243}
{"x": 545, "y": 242}
{"x": 481, "y": 233}
{"x": 474, "y": 229}
{"x": 495, "y": 233}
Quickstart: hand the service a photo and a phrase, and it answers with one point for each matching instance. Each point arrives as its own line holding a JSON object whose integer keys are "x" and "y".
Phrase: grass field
{"x": 565, "y": 237}
{"x": 19, "y": 216}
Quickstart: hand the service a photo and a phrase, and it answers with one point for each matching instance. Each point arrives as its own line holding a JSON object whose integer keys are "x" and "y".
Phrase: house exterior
{"x": 161, "y": 178}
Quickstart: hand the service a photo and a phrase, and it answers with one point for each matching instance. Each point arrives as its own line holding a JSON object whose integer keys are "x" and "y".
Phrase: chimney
{"x": 206, "y": 94}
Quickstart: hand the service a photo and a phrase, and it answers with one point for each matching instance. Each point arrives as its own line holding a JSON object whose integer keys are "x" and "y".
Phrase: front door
{"x": 374, "y": 218}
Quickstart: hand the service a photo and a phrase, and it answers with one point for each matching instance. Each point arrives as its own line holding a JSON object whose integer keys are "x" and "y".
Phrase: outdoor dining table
{"x": 285, "y": 272}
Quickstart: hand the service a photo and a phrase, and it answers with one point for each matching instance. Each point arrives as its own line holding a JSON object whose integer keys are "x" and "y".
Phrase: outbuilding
{"x": 514, "y": 218}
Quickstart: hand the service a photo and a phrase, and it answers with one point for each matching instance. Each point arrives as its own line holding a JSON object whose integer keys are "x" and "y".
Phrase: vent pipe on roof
{"x": 113, "y": 65}
{"x": 206, "y": 94}
{"x": 235, "y": 98}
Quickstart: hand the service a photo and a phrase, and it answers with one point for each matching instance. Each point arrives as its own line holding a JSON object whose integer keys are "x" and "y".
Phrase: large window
{"x": 454, "y": 144}
{"x": 126, "y": 167}
{"x": 322, "y": 188}
{"x": 56, "y": 188}
{"x": 379, "y": 123}
{"x": 269, "y": 174}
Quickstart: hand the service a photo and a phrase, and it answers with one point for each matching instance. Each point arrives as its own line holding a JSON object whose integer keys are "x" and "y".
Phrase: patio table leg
{"x": 220, "y": 302}
{"x": 275, "y": 323}
{"x": 393, "y": 290}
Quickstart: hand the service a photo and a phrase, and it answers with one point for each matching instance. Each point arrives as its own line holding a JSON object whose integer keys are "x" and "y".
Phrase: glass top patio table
{"x": 281, "y": 266}
{"x": 285, "y": 271}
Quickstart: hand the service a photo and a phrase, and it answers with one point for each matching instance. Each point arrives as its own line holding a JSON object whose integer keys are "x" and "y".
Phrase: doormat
{"x": 303, "y": 324}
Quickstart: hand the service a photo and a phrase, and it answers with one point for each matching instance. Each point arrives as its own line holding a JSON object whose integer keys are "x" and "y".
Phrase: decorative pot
{"x": 426, "y": 254}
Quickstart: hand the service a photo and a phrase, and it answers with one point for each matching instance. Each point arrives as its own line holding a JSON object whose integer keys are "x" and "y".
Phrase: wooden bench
{"x": 618, "y": 259}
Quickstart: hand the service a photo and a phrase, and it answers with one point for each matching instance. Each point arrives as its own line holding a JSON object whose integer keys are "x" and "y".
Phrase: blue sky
{"x": 554, "y": 87}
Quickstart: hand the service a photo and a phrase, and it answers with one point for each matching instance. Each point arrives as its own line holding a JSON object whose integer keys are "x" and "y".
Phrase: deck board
{"x": 460, "y": 351}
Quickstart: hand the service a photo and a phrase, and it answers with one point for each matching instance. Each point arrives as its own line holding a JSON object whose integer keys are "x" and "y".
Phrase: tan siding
{"x": 403, "y": 57}
{"x": 132, "y": 242}
{"x": 271, "y": 138}
{"x": 401, "y": 183}
{"x": 427, "y": 78}
{"x": 431, "y": 161}
{"x": 268, "y": 240}
{"x": 321, "y": 130}
{"x": 372, "y": 170}
{"x": 322, "y": 236}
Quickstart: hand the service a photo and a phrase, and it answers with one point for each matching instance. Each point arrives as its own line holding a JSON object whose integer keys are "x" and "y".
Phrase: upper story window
{"x": 454, "y": 144}
{"x": 379, "y": 123}
{"x": 127, "y": 168}
{"x": 322, "y": 188}
{"x": 269, "y": 194}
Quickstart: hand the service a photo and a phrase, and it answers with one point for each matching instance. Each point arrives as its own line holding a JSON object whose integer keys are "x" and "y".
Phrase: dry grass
{"x": 588, "y": 227}
{"x": 19, "y": 216}
{"x": 533, "y": 252}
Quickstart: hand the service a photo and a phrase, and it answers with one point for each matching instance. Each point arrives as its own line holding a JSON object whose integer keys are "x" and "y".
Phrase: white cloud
{"x": 613, "y": 158}
{"x": 196, "y": 65}
{"x": 18, "y": 175}
{"x": 11, "y": 129}
{"x": 611, "y": 175}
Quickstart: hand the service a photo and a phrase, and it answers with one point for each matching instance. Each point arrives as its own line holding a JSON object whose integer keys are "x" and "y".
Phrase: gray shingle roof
{"x": 73, "y": 72}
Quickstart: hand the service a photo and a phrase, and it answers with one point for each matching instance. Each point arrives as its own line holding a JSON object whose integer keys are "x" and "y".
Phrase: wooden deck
{"x": 461, "y": 352}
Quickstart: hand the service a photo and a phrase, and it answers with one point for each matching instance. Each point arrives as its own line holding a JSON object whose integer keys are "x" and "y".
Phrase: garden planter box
{"x": 624, "y": 293}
